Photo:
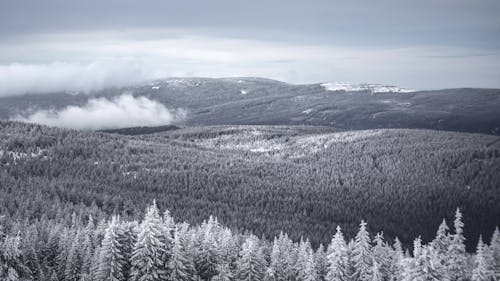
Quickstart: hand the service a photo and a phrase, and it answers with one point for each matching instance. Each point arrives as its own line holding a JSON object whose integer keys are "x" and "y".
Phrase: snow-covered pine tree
{"x": 11, "y": 266}
{"x": 229, "y": 247}
{"x": 251, "y": 265}
{"x": 337, "y": 258}
{"x": 148, "y": 259}
{"x": 382, "y": 255}
{"x": 305, "y": 266}
{"x": 376, "y": 272}
{"x": 207, "y": 257}
{"x": 362, "y": 255}
{"x": 74, "y": 261}
{"x": 310, "y": 271}
{"x": 457, "y": 259}
{"x": 398, "y": 256}
{"x": 224, "y": 273}
{"x": 441, "y": 242}
{"x": 483, "y": 263}
{"x": 179, "y": 269}
{"x": 424, "y": 266}
{"x": 112, "y": 259}
{"x": 495, "y": 251}
{"x": 321, "y": 262}
{"x": 282, "y": 258}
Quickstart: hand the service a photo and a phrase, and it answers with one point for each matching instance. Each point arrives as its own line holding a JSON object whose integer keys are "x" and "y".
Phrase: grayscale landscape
{"x": 223, "y": 141}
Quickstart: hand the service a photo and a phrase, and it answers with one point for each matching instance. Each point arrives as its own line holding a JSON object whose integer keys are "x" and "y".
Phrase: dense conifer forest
{"x": 159, "y": 248}
{"x": 301, "y": 180}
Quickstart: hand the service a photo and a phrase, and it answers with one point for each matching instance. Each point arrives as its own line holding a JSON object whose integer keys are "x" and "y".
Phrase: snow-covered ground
{"x": 373, "y": 88}
{"x": 292, "y": 147}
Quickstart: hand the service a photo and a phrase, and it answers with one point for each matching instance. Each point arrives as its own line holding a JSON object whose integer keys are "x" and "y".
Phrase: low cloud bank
{"x": 18, "y": 79}
{"x": 101, "y": 113}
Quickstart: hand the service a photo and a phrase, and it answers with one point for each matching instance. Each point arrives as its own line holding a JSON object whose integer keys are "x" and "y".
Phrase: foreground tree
{"x": 150, "y": 256}
{"x": 251, "y": 264}
{"x": 337, "y": 258}
{"x": 457, "y": 259}
{"x": 483, "y": 263}
{"x": 362, "y": 255}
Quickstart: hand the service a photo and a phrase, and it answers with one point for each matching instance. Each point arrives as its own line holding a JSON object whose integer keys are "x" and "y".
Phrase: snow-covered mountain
{"x": 362, "y": 87}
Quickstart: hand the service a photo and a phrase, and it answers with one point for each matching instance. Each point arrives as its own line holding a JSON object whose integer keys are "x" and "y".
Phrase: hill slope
{"x": 257, "y": 101}
{"x": 303, "y": 180}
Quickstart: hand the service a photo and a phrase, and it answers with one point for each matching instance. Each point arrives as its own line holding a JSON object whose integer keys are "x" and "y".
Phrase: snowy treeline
{"x": 158, "y": 248}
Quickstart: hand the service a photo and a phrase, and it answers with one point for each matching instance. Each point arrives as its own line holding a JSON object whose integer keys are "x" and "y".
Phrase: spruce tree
{"x": 179, "y": 269}
{"x": 251, "y": 264}
{"x": 12, "y": 267}
{"x": 149, "y": 259}
{"x": 112, "y": 259}
{"x": 224, "y": 273}
{"x": 483, "y": 263}
{"x": 362, "y": 255}
{"x": 457, "y": 259}
{"x": 495, "y": 251}
{"x": 337, "y": 258}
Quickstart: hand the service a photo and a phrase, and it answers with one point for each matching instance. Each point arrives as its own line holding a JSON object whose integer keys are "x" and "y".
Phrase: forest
{"x": 159, "y": 248}
{"x": 303, "y": 181}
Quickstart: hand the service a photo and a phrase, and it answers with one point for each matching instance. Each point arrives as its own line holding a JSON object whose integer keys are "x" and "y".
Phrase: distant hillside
{"x": 141, "y": 130}
{"x": 257, "y": 101}
{"x": 301, "y": 179}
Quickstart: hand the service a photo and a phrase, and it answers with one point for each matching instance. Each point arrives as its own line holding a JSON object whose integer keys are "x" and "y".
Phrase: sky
{"x": 85, "y": 45}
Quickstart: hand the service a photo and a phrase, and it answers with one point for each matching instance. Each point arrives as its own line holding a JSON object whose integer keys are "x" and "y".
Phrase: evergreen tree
{"x": 150, "y": 257}
{"x": 382, "y": 255}
{"x": 306, "y": 266}
{"x": 224, "y": 273}
{"x": 207, "y": 257}
{"x": 113, "y": 260}
{"x": 362, "y": 255}
{"x": 251, "y": 265}
{"x": 282, "y": 258}
{"x": 495, "y": 250}
{"x": 337, "y": 258}
{"x": 321, "y": 262}
{"x": 12, "y": 267}
{"x": 179, "y": 269}
{"x": 457, "y": 260}
{"x": 483, "y": 263}
{"x": 424, "y": 266}
{"x": 398, "y": 257}
{"x": 74, "y": 260}
{"x": 441, "y": 242}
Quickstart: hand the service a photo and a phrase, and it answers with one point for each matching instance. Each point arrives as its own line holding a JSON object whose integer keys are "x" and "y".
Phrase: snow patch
{"x": 307, "y": 111}
{"x": 243, "y": 92}
{"x": 372, "y": 88}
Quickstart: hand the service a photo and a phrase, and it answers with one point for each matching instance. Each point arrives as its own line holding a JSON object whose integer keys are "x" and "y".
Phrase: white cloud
{"x": 101, "y": 113}
{"x": 60, "y": 76}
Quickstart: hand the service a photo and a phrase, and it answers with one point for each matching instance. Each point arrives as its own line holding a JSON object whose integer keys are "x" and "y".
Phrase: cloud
{"x": 120, "y": 112}
{"x": 81, "y": 77}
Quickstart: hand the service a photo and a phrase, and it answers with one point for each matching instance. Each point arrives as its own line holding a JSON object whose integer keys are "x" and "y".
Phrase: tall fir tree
{"x": 150, "y": 257}
{"x": 337, "y": 258}
{"x": 362, "y": 255}
{"x": 483, "y": 263}
{"x": 282, "y": 258}
{"x": 251, "y": 265}
{"x": 113, "y": 260}
{"x": 178, "y": 265}
{"x": 12, "y": 267}
{"x": 495, "y": 251}
{"x": 424, "y": 266}
{"x": 457, "y": 259}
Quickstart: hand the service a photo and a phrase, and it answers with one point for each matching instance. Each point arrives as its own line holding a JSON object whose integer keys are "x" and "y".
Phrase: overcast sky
{"x": 416, "y": 44}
